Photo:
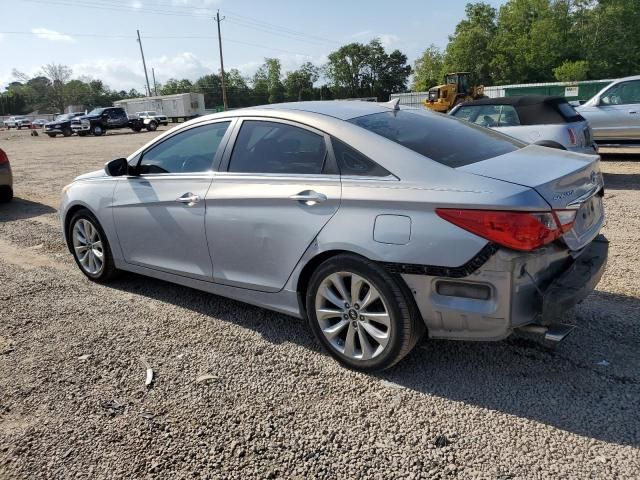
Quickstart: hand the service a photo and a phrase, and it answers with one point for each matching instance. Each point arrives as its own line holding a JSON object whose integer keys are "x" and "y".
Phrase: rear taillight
{"x": 523, "y": 231}
{"x": 3, "y": 157}
{"x": 573, "y": 139}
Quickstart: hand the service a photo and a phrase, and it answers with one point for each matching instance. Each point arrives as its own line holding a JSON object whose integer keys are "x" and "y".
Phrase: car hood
{"x": 91, "y": 175}
{"x": 87, "y": 117}
{"x": 559, "y": 176}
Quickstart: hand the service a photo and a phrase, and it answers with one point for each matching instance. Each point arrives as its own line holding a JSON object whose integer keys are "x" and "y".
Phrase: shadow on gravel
{"x": 20, "y": 209}
{"x": 521, "y": 376}
{"x": 621, "y": 181}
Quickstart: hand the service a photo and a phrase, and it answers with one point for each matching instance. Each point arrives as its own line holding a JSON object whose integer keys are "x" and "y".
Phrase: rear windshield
{"x": 445, "y": 139}
{"x": 568, "y": 112}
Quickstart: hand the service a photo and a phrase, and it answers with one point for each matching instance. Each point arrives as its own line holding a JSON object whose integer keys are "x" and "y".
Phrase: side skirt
{"x": 284, "y": 301}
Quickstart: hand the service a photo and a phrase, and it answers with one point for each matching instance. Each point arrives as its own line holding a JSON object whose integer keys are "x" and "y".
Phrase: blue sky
{"x": 97, "y": 38}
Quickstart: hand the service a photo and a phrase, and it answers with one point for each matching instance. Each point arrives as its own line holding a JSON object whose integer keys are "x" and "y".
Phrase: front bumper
{"x": 524, "y": 288}
{"x": 80, "y": 127}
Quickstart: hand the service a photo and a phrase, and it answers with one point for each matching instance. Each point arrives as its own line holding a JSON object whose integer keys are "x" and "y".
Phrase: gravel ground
{"x": 73, "y": 401}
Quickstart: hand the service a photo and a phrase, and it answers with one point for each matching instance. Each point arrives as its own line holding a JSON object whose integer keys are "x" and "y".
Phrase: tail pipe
{"x": 553, "y": 333}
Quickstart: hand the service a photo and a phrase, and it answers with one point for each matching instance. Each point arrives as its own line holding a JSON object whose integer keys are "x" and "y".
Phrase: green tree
{"x": 428, "y": 70}
{"x": 358, "y": 70}
{"x": 470, "y": 46}
{"x": 572, "y": 71}
{"x": 274, "y": 75}
{"x": 299, "y": 83}
{"x": 173, "y": 86}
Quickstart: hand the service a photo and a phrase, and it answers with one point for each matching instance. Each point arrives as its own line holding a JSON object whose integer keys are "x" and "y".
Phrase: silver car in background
{"x": 538, "y": 119}
{"x": 614, "y": 113}
{"x": 377, "y": 223}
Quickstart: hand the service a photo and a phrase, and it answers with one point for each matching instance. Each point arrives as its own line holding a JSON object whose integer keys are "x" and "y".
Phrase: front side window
{"x": 622, "y": 94}
{"x": 190, "y": 151}
{"x": 442, "y": 138}
{"x": 272, "y": 147}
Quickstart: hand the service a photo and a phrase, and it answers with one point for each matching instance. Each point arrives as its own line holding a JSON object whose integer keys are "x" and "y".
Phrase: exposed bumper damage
{"x": 509, "y": 290}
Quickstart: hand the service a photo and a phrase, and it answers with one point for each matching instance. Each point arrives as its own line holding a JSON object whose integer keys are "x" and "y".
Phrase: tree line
{"x": 524, "y": 41}
{"x": 528, "y": 41}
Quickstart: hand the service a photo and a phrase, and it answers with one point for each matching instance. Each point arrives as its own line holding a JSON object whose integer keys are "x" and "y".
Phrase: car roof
{"x": 341, "y": 109}
{"x": 519, "y": 100}
{"x": 533, "y": 109}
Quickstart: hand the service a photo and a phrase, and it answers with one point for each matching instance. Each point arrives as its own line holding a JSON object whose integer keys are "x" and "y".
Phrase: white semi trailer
{"x": 181, "y": 106}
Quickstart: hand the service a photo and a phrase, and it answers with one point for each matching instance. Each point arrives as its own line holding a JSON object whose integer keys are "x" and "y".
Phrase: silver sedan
{"x": 376, "y": 223}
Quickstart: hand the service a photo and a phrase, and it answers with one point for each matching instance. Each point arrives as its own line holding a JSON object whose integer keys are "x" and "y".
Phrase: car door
{"x": 276, "y": 190}
{"x": 617, "y": 114}
{"x": 160, "y": 212}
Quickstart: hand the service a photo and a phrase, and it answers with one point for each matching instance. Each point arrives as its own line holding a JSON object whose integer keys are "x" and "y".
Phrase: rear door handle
{"x": 309, "y": 197}
{"x": 189, "y": 198}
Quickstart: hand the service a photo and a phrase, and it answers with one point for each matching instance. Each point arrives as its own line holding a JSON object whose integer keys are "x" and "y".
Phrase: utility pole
{"x": 144, "y": 64}
{"x": 224, "y": 88}
{"x": 155, "y": 85}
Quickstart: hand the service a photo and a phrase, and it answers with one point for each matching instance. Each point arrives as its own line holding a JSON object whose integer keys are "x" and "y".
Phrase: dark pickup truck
{"x": 61, "y": 125}
{"x": 99, "y": 120}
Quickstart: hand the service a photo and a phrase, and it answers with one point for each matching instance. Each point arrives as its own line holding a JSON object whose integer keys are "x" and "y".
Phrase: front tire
{"x": 52, "y": 135}
{"x": 152, "y": 126}
{"x": 97, "y": 130}
{"x": 67, "y": 132}
{"x": 363, "y": 315}
{"x": 90, "y": 247}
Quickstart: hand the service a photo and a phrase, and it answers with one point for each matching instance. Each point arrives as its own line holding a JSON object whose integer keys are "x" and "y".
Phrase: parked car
{"x": 6, "y": 178}
{"x": 152, "y": 116}
{"x": 61, "y": 125}
{"x": 614, "y": 113}
{"x": 363, "y": 217}
{"x": 101, "y": 119}
{"x": 538, "y": 119}
{"x": 17, "y": 122}
{"x": 39, "y": 123}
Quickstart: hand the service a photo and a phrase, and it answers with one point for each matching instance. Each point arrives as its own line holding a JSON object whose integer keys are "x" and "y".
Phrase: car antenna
{"x": 393, "y": 104}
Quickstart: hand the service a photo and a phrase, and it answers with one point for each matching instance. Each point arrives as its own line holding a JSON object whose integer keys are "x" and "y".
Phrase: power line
{"x": 161, "y": 37}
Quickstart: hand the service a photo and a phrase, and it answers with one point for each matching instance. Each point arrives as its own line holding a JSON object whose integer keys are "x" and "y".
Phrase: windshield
{"x": 96, "y": 111}
{"x": 64, "y": 116}
{"x": 151, "y": 113}
{"x": 445, "y": 139}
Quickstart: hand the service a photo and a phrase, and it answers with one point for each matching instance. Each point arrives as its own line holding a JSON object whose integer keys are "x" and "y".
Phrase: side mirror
{"x": 117, "y": 167}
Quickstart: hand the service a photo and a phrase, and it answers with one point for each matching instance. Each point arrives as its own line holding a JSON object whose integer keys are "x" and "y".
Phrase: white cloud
{"x": 387, "y": 39}
{"x": 2, "y": 35}
{"x": 51, "y": 35}
{"x": 137, "y": 4}
{"x": 127, "y": 73}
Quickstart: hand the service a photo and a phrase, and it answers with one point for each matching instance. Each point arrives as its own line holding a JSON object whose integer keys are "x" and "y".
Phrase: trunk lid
{"x": 565, "y": 180}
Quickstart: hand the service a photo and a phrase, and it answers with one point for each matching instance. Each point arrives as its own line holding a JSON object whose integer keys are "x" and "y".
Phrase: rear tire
{"x": 52, "y": 135}
{"x": 364, "y": 316}
{"x": 90, "y": 247}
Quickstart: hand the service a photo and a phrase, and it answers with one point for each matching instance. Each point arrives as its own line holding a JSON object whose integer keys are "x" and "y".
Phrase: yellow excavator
{"x": 456, "y": 89}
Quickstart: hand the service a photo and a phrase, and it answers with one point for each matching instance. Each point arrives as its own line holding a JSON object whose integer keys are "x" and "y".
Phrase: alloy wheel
{"x": 353, "y": 316}
{"x": 88, "y": 247}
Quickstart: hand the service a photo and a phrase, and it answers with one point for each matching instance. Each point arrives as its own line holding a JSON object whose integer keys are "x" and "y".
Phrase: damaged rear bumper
{"x": 576, "y": 282}
{"x": 509, "y": 290}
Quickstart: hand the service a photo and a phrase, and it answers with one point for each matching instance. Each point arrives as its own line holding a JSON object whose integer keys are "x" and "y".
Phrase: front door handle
{"x": 189, "y": 198}
{"x": 309, "y": 197}
{"x": 633, "y": 113}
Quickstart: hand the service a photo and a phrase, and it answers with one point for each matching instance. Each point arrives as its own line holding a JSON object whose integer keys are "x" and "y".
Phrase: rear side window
{"x": 272, "y": 147}
{"x": 490, "y": 116}
{"x": 568, "y": 112}
{"x": 190, "y": 151}
{"x": 442, "y": 138}
{"x": 351, "y": 162}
